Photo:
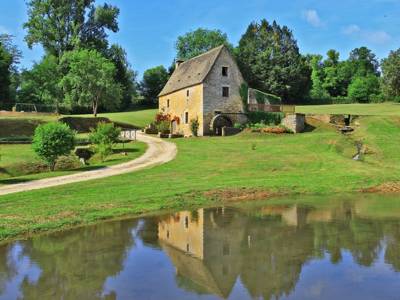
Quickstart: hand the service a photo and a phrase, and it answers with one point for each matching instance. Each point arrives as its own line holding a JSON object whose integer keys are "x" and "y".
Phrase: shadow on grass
{"x": 309, "y": 128}
{"x": 14, "y": 180}
{"x": 129, "y": 150}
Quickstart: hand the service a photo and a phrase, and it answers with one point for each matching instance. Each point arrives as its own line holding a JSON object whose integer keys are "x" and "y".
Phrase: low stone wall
{"x": 227, "y": 131}
{"x": 295, "y": 122}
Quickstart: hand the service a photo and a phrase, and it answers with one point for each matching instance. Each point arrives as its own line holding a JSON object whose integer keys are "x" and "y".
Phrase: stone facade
{"x": 205, "y": 100}
{"x": 294, "y": 122}
{"x": 213, "y": 100}
{"x": 188, "y": 100}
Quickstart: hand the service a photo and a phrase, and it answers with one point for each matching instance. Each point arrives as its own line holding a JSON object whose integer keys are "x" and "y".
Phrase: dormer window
{"x": 225, "y": 71}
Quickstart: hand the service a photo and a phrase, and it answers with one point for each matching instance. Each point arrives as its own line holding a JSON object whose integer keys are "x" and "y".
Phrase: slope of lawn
{"x": 19, "y": 163}
{"x": 381, "y": 109}
{"x": 316, "y": 162}
{"x": 139, "y": 118}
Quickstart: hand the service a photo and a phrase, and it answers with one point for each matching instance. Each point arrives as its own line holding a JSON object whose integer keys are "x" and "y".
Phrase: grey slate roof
{"x": 191, "y": 72}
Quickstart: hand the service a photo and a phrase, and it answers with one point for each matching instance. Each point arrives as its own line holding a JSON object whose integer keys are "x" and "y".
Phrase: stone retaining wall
{"x": 295, "y": 122}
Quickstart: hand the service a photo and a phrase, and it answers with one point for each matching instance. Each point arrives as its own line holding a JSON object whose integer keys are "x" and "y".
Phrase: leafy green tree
{"x": 53, "y": 140}
{"x": 61, "y": 26}
{"x": 124, "y": 75}
{"x": 40, "y": 84}
{"x": 104, "y": 137}
{"x": 199, "y": 41}
{"x": 5, "y": 74}
{"x": 153, "y": 82}
{"x": 362, "y": 88}
{"x": 89, "y": 80}
{"x": 391, "y": 75}
{"x": 270, "y": 61}
{"x": 317, "y": 77}
{"x": 363, "y": 62}
{"x": 9, "y": 58}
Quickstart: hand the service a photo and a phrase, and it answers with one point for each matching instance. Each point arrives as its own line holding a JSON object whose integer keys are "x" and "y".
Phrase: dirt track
{"x": 158, "y": 152}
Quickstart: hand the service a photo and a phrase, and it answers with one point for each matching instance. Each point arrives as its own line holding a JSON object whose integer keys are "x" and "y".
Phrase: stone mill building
{"x": 206, "y": 88}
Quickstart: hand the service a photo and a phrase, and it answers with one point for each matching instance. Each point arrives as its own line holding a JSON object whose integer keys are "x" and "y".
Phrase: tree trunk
{"x": 95, "y": 108}
{"x": 52, "y": 166}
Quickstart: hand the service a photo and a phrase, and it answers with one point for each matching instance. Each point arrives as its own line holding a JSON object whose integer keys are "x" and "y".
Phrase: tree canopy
{"x": 201, "y": 40}
{"x": 89, "y": 80}
{"x": 270, "y": 61}
{"x": 391, "y": 75}
{"x": 153, "y": 82}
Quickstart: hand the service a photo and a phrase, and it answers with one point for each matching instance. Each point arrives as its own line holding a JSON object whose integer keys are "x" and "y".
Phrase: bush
{"x": 361, "y": 88}
{"x": 103, "y": 138}
{"x": 194, "y": 127}
{"x": 53, "y": 140}
{"x": 269, "y": 118}
{"x": 163, "y": 126}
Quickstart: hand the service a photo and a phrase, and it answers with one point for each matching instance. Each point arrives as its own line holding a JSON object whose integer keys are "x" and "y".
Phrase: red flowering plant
{"x": 163, "y": 123}
{"x": 176, "y": 119}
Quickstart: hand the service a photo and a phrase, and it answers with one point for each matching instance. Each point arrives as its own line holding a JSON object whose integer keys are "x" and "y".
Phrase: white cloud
{"x": 312, "y": 17}
{"x": 351, "y": 29}
{"x": 374, "y": 36}
{"x": 378, "y": 37}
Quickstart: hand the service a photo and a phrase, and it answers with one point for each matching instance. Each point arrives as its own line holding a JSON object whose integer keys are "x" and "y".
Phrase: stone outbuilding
{"x": 205, "y": 88}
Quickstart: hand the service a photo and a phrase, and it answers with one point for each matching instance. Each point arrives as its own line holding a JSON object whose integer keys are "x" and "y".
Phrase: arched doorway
{"x": 218, "y": 122}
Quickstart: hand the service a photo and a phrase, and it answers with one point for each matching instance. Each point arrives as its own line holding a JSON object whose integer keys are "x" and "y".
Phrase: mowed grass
{"x": 19, "y": 163}
{"x": 139, "y": 118}
{"x": 317, "y": 162}
{"x": 381, "y": 109}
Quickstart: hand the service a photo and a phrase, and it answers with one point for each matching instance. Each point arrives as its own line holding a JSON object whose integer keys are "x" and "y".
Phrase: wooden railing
{"x": 271, "y": 108}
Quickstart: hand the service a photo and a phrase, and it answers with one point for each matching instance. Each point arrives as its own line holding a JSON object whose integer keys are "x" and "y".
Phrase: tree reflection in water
{"x": 262, "y": 249}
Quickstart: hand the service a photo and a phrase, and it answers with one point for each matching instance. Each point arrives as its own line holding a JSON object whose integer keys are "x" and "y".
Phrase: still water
{"x": 314, "y": 249}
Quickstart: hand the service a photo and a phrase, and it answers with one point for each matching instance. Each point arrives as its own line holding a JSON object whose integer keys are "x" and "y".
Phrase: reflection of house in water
{"x": 204, "y": 246}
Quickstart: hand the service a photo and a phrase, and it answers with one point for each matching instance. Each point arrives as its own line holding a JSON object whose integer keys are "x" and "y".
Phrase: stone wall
{"x": 294, "y": 122}
{"x": 213, "y": 101}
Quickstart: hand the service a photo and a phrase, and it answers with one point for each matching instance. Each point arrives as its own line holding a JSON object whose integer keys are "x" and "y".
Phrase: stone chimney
{"x": 178, "y": 62}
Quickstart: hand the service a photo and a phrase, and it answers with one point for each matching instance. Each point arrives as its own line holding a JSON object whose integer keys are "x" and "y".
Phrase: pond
{"x": 314, "y": 248}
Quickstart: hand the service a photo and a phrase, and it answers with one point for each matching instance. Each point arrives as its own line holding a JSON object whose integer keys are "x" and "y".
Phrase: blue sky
{"x": 148, "y": 29}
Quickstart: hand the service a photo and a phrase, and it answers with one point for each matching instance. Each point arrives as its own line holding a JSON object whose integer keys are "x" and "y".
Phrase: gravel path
{"x": 158, "y": 152}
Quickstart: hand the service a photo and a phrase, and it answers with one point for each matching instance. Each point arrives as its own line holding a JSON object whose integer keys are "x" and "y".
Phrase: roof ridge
{"x": 205, "y": 53}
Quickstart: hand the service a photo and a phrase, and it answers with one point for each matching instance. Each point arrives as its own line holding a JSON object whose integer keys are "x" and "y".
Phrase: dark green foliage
{"x": 363, "y": 62}
{"x": 270, "y": 61}
{"x": 244, "y": 94}
{"x": 391, "y": 75}
{"x": 194, "y": 126}
{"x": 153, "y": 82}
{"x": 103, "y": 137}
{"x": 53, "y": 140}
{"x": 199, "y": 41}
{"x": 268, "y": 118}
{"x": 9, "y": 58}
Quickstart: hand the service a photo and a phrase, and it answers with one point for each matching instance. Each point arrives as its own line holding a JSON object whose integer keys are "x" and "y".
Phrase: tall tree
{"x": 317, "y": 78}
{"x": 270, "y": 60}
{"x": 363, "y": 62}
{"x": 199, "y": 41}
{"x": 124, "y": 74}
{"x": 153, "y": 82}
{"x": 89, "y": 80}
{"x": 391, "y": 75}
{"x": 61, "y": 26}
{"x": 40, "y": 84}
{"x": 9, "y": 58}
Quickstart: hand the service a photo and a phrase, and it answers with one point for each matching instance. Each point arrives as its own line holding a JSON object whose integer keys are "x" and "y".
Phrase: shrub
{"x": 53, "y": 140}
{"x": 163, "y": 126}
{"x": 269, "y": 118}
{"x": 361, "y": 88}
{"x": 194, "y": 126}
{"x": 103, "y": 138}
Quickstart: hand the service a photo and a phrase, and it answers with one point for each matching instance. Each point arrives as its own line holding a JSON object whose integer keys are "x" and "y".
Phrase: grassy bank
{"x": 319, "y": 161}
{"x": 139, "y": 118}
{"x": 381, "y": 109}
{"x": 20, "y": 164}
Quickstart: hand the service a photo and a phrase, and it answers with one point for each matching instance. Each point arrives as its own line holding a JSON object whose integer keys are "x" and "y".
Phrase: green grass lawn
{"x": 139, "y": 118}
{"x": 381, "y": 109}
{"x": 20, "y": 164}
{"x": 316, "y": 162}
